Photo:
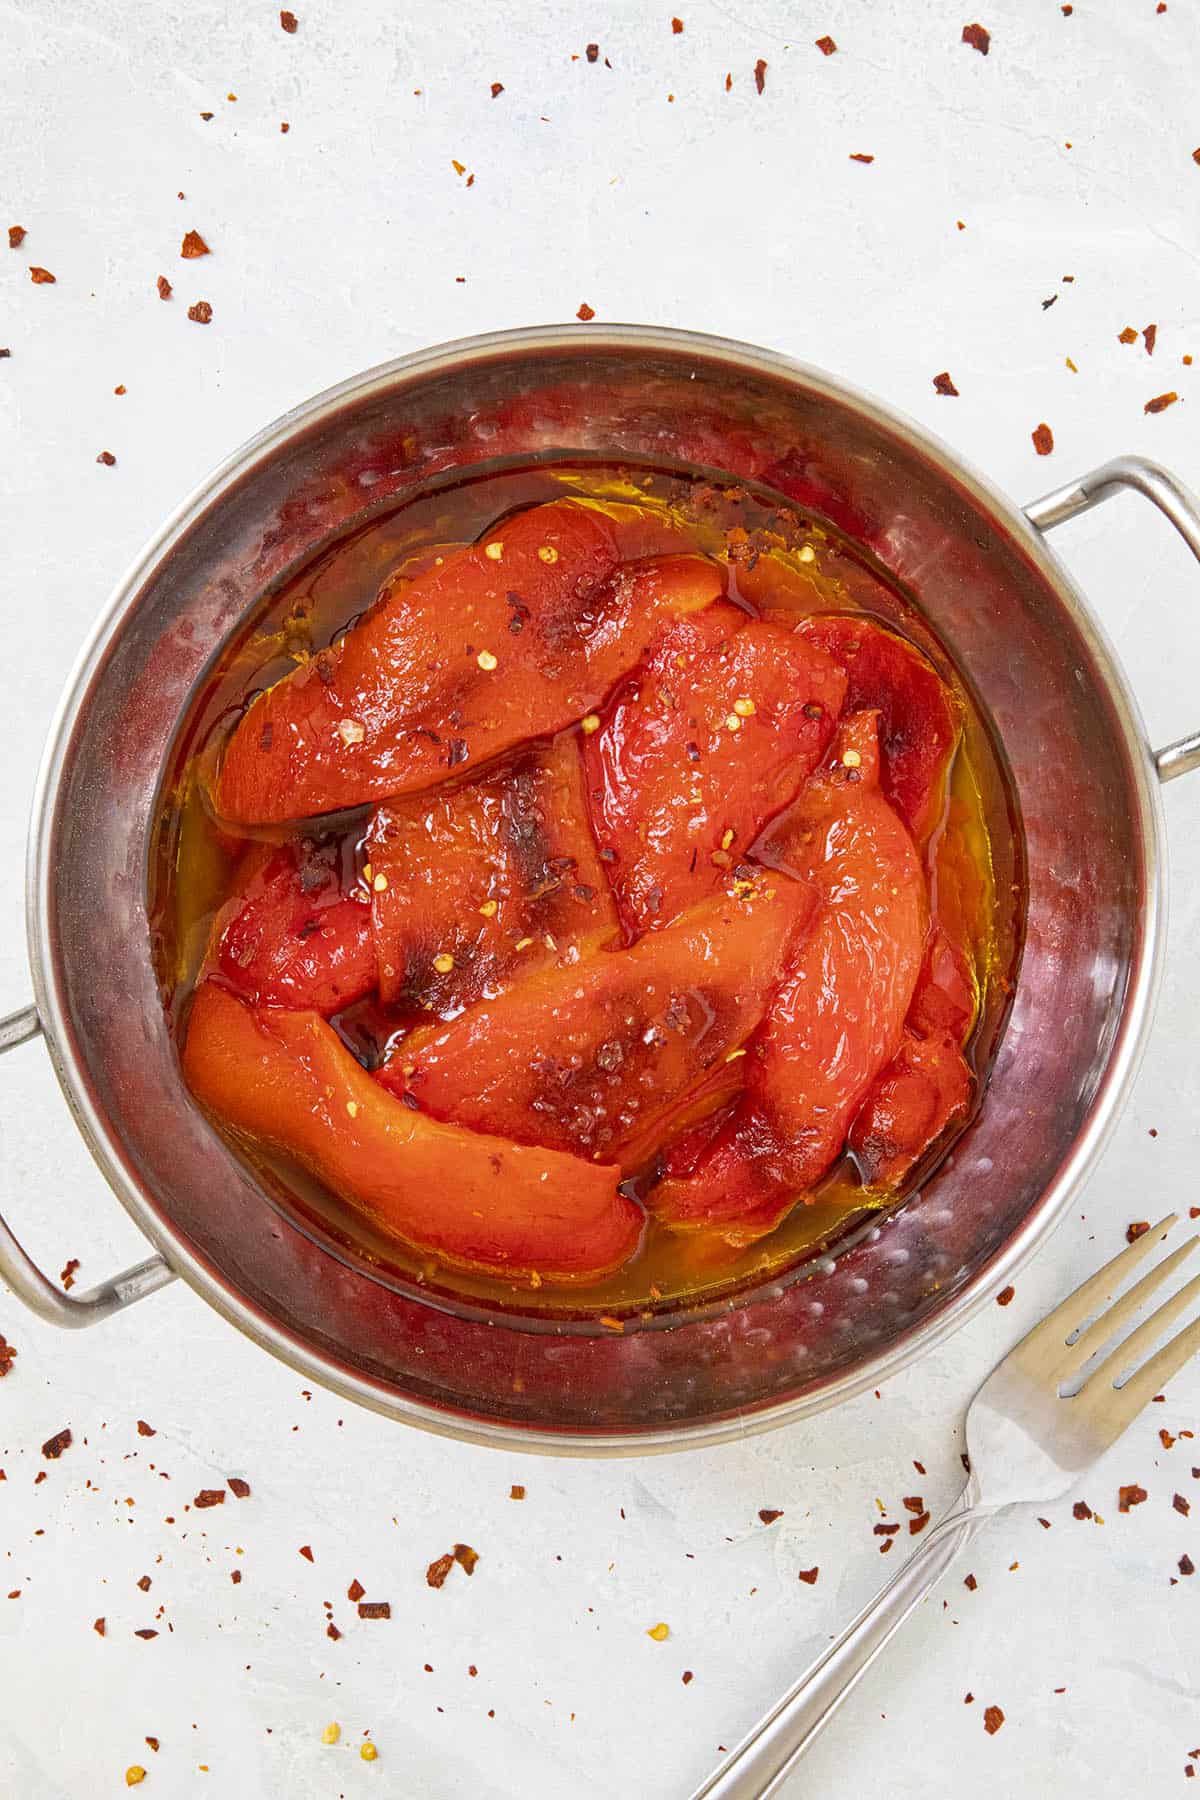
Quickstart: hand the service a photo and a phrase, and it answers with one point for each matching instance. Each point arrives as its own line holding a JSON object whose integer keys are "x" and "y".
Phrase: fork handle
{"x": 759, "y": 1763}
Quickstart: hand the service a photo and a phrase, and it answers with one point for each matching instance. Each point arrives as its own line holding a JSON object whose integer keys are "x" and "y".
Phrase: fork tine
{"x": 1128, "y": 1354}
{"x": 1123, "y": 1311}
{"x": 1059, "y": 1324}
{"x": 1153, "y": 1378}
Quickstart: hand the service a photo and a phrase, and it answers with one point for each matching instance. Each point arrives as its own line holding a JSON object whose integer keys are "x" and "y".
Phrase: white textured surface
{"x": 333, "y": 247}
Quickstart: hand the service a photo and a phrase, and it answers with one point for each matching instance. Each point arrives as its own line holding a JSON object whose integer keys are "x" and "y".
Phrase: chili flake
{"x": 497, "y": 89}
{"x": 585, "y": 312}
{"x": 516, "y": 1492}
{"x": 355, "y": 1591}
{"x": 201, "y": 313}
{"x": 16, "y": 234}
{"x": 193, "y": 245}
{"x": 1186, "y": 1565}
{"x": 1005, "y": 1296}
{"x": 1043, "y": 439}
{"x": 1150, "y": 335}
{"x": 769, "y": 1514}
{"x": 809, "y": 1576}
{"x": 826, "y": 45}
{"x": 67, "y": 1274}
{"x": 1133, "y": 1495}
{"x": 439, "y": 1568}
{"x": 99, "y": 1627}
{"x": 1082, "y": 1510}
{"x": 1181, "y": 1505}
{"x": 676, "y": 26}
{"x": 760, "y": 74}
{"x": 53, "y": 1447}
{"x": 374, "y": 1609}
{"x": 164, "y": 288}
{"x": 289, "y": 22}
{"x": 993, "y": 1719}
{"x": 970, "y": 1583}
{"x": 861, "y": 156}
{"x": 1138, "y": 1228}
{"x": 466, "y": 1558}
{"x": 943, "y": 385}
{"x": 109, "y": 460}
{"x": 977, "y": 38}
{"x": 209, "y": 1497}
{"x": 1161, "y": 402}
{"x": 592, "y": 52}
{"x": 40, "y": 277}
{"x": 686, "y": 1677}
{"x": 239, "y": 1488}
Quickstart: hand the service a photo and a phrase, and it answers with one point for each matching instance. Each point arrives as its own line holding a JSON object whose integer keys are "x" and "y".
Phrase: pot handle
{"x": 22, "y": 1274}
{"x": 1171, "y": 498}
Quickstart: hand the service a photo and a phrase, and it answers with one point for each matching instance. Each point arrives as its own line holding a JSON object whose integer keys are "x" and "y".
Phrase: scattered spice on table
{"x": 1181, "y": 1505}
{"x": 16, "y": 235}
{"x": 164, "y": 288}
{"x": 7, "y": 1353}
{"x": 970, "y": 1583}
{"x": 134, "y": 1775}
{"x": 516, "y": 1492}
{"x": 145, "y": 1430}
{"x": 99, "y": 1627}
{"x": 238, "y": 1488}
{"x": 193, "y": 245}
{"x": 592, "y": 52}
{"x": 918, "y": 1524}
{"x": 585, "y": 312}
{"x": 826, "y": 45}
{"x": 1165, "y": 1438}
{"x": 977, "y": 37}
{"x": 144, "y": 1583}
{"x": 1161, "y": 402}
{"x": 1043, "y": 439}
{"x": 1005, "y": 1296}
{"x": 1130, "y": 1496}
{"x": 209, "y": 1497}
{"x": 993, "y": 1719}
{"x": 153, "y": 1743}
{"x": 943, "y": 385}
{"x": 1186, "y": 1566}
{"x": 1150, "y": 338}
{"x": 439, "y": 1568}
{"x": 40, "y": 277}
{"x": 760, "y": 74}
{"x": 1082, "y": 1510}
{"x": 861, "y": 156}
{"x": 306, "y": 1552}
{"x": 497, "y": 89}
{"x": 368, "y": 1752}
{"x": 1127, "y": 336}
{"x": 54, "y": 1446}
{"x": 109, "y": 460}
{"x": 201, "y": 312}
{"x": 769, "y": 1514}
{"x": 146, "y": 1633}
{"x": 676, "y": 26}
{"x": 466, "y": 1558}
{"x": 289, "y": 22}
{"x": 660, "y": 1632}
{"x": 374, "y": 1609}
{"x": 809, "y": 1575}
{"x": 1137, "y": 1229}
{"x": 355, "y": 1591}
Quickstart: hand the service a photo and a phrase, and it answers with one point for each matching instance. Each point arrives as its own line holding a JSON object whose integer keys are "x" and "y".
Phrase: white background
{"x": 336, "y": 246}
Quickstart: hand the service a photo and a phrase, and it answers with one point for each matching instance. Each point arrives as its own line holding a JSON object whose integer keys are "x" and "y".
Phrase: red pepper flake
{"x": 1133, "y": 1495}
{"x": 886, "y": 1545}
{"x": 193, "y": 245}
{"x": 1165, "y": 1438}
{"x": 1137, "y": 1229}
{"x": 1127, "y": 336}
{"x": 16, "y": 236}
{"x": 331, "y": 1631}
{"x": 993, "y": 1719}
{"x": 67, "y": 1273}
{"x": 209, "y": 1497}
{"x": 1181, "y": 1505}
{"x": 918, "y": 1524}
{"x": 1005, "y": 1296}
{"x": 289, "y": 22}
{"x": 760, "y": 74}
{"x": 769, "y": 1514}
{"x": 686, "y": 1677}
{"x": 826, "y": 45}
{"x": 99, "y": 1626}
{"x": 592, "y": 52}
{"x": 306, "y": 1552}
{"x": 164, "y": 288}
{"x": 144, "y": 1583}
{"x": 968, "y": 1699}
{"x": 116, "y": 390}
{"x": 145, "y": 1430}
{"x": 201, "y": 312}
{"x": 884, "y": 1530}
{"x": 471, "y": 1669}
{"x": 235, "y": 1575}
{"x": 1186, "y": 1566}
{"x": 1044, "y": 1523}
{"x": 913, "y": 1503}
{"x": 861, "y": 156}
{"x": 1082, "y": 1510}
{"x": 439, "y": 1568}
{"x": 943, "y": 385}
{"x": 238, "y": 1488}
{"x": 585, "y": 312}
{"x": 109, "y": 460}
{"x": 374, "y": 1609}
{"x": 1043, "y": 439}
{"x": 676, "y": 26}
{"x": 728, "y": 82}
{"x": 970, "y": 1583}
{"x": 40, "y": 277}
{"x": 809, "y": 1575}
{"x": 356, "y": 1590}
{"x": 53, "y": 1447}
{"x": 153, "y": 1743}
{"x": 466, "y": 1558}
{"x": 1066, "y": 11}
{"x": 146, "y": 1633}
{"x": 516, "y": 1492}
{"x": 497, "y": 89}
{"x": 284, "y": 127}
{"x": 1150, "y": 335}
{"x": 919, "y": 1467}
{"x": 1161, "y": 402}
{"x": 977, "y": 37}
{"x": 7, "y": 1353}
{"x": 40, "y": 1476}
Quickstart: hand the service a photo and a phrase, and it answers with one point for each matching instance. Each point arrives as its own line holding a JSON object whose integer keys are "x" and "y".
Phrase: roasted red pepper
{"x": 481, "y": 880}
{"x": 286, "y": 1080}
{"x": 592, "y": 1055}
{"x": 512, "y": 638}
{"x": 711, "y": 736}
{"x": 292, "y": 935}
{"x": 837, "y": 1018}
{"x": 919, "y": 722}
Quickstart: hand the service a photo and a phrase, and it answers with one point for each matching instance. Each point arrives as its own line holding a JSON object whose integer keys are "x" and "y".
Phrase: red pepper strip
{"x": 928, "y": 1085}
{"x": 837, "y": 1018}
{"x": 511, "y": 638}
{"x": 709, "y": 738}
{"x": 286, "y": 1081}
{"x": 291, "y": 936}
{"x": 589, "y": 1056}
{"x": 471, "y": 870}
{"x": 919, "y": 718}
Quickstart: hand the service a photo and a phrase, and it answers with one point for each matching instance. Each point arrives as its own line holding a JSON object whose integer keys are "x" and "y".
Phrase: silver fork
{"x": 1027, "y": 1443}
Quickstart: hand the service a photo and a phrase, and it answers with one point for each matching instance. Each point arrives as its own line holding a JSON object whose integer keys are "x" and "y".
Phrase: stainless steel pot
{"x": 1086, "y": 779}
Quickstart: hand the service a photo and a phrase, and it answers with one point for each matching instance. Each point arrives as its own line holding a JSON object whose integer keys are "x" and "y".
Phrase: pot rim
{"x": 1077, "y": 1163}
